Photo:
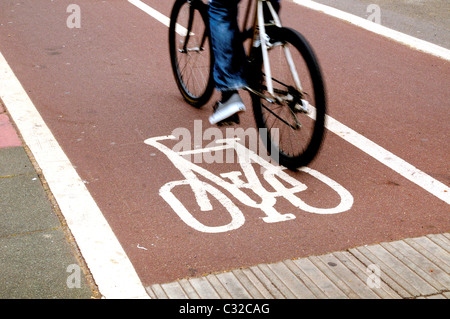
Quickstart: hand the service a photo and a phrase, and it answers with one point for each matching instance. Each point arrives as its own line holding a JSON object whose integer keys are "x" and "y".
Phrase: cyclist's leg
{"x": 229, "y": 67}
{"x": 227, "y": 45}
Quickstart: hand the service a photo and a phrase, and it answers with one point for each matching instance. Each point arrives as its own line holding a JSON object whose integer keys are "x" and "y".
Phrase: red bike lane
{"x": 106, "y": 88}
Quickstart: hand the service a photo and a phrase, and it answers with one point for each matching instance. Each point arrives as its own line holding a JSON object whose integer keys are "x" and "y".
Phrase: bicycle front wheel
{"x": 292, "y": 120}
{"x": 191, "y": 53}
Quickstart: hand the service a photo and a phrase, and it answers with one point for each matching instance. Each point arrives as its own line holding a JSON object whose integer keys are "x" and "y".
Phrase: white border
{"x": 408, "y": 40}
{"x": 392, "y": 161}
{"x": 113, "y": 272}
{"x": 151, "y": 12}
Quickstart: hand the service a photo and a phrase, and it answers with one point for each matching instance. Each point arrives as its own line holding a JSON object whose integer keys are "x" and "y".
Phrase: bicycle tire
{"x": 281, "y": 144}
{"x": 192, "y": 60}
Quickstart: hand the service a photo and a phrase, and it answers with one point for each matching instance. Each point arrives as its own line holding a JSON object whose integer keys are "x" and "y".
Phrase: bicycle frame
{"x": 259, "y": 31}
{"x": 259, "y": 28}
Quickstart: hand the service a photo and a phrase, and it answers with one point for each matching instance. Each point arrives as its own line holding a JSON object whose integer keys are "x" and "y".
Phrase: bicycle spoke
{"x": 276, "y": 115}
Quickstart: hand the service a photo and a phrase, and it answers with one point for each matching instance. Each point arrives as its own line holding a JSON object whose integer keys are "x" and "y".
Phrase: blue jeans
{"x": 228, "y": 50}
{"x": 229, "y": 68}
{"x": 227, "y": 46}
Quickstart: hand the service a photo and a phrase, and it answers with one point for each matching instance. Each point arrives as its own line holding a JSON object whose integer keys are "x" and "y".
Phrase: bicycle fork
{"x": 265, "y": 47}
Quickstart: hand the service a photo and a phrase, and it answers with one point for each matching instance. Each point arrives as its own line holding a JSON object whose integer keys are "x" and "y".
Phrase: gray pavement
{"x": 426, "y": 20}
{"x": 38, "y": 258}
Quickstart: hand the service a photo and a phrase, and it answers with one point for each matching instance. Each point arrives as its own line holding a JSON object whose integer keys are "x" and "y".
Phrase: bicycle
{"x": 213, "y": 193}
{"x": 285, "y": 81}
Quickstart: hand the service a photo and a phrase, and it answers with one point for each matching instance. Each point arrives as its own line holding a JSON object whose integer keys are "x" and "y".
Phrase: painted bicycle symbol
{"x": 234, "y": 183}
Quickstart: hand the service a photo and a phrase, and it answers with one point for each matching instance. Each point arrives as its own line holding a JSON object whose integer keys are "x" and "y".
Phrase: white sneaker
{"x": 224, "y": 110}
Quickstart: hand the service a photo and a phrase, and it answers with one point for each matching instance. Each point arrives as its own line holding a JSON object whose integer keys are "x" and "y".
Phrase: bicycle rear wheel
{"x": 191, "y": 54}
{"x": 292, "y": 125}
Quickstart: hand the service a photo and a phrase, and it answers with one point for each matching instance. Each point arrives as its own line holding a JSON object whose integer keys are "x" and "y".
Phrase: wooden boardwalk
{"x": 404, "y": 269}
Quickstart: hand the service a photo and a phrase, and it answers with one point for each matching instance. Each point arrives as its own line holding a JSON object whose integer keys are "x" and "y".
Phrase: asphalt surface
{"x": 106, "y": 87}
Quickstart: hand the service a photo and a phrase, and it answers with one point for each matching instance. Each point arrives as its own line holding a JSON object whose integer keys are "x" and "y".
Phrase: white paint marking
{"x": 140, "y": 247}
{"x": 408, "y": 40}
{"x": 233, "y": 184}
{"x": 377, "y": 28}
{"x": 158, "y": 16}
{"x": 152, "y": 12}
{"x": 387, "y": 158}
{"x": 392, "y": 161}
{"x": 112, "y": 270}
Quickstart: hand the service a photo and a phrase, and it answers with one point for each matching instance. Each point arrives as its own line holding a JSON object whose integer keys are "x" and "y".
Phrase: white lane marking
{"x": 158, "y": 16}
{"x": 400, "y": 37}
{"x": 113, "y": 272}
{"x": 392, "y": 161}
{"x": 151, "y": 12}
{"x": 408, "y": 40}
